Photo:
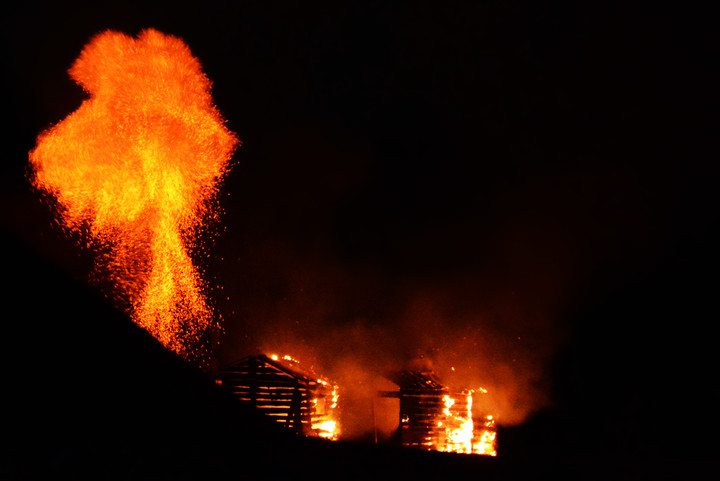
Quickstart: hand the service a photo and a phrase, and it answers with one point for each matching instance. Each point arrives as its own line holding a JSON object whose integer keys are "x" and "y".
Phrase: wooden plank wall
{"x": 420, "y": 412}
{"x": 276, "y": 393}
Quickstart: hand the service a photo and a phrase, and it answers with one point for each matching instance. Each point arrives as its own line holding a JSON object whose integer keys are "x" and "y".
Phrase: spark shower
{"x": 137, "y": 168}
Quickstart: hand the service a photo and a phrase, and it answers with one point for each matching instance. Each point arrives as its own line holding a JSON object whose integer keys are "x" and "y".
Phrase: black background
{"x": 540, "y": 158}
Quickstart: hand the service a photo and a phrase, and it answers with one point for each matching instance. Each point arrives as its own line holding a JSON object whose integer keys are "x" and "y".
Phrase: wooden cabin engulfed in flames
{"x": 298, "y": 399}
{"x": 432, "y": 417}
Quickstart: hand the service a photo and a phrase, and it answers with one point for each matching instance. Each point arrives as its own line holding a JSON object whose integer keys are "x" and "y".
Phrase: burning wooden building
{"x": 296, "y": 398}
{"x": 434, "y": 418}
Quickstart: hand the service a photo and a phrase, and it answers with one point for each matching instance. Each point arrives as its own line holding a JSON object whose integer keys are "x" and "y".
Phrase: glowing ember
{"x": 138, "y": 167}
{"x": 484, "y": 442}
{"x": 326, "y": 429}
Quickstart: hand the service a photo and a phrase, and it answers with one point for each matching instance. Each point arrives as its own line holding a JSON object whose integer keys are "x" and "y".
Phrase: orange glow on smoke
{"x": 137, "y": 165}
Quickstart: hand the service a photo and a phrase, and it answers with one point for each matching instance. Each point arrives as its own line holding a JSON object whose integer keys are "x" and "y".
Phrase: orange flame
{"x": 138, "y": 164}
{"x": 461, "y": 433}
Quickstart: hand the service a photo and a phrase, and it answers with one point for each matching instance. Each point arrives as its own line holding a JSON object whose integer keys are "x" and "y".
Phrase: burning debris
{"x": 296, "y": 398}
{"x": 434, "y": 418}
{"x": 137, "y": 167}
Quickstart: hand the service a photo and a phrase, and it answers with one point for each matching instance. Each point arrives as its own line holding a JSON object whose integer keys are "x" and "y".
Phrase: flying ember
{"x": 138, "y": 166}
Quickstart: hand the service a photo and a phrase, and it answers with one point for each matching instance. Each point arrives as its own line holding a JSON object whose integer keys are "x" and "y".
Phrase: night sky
{"x": 539, "y": 180}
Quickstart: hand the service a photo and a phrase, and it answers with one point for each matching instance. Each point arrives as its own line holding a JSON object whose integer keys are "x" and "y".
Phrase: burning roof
{"x": 417, "y": 381}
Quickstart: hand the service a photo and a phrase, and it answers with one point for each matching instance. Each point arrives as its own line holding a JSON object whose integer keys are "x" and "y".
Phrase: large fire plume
{"x": 137, "y": 167}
